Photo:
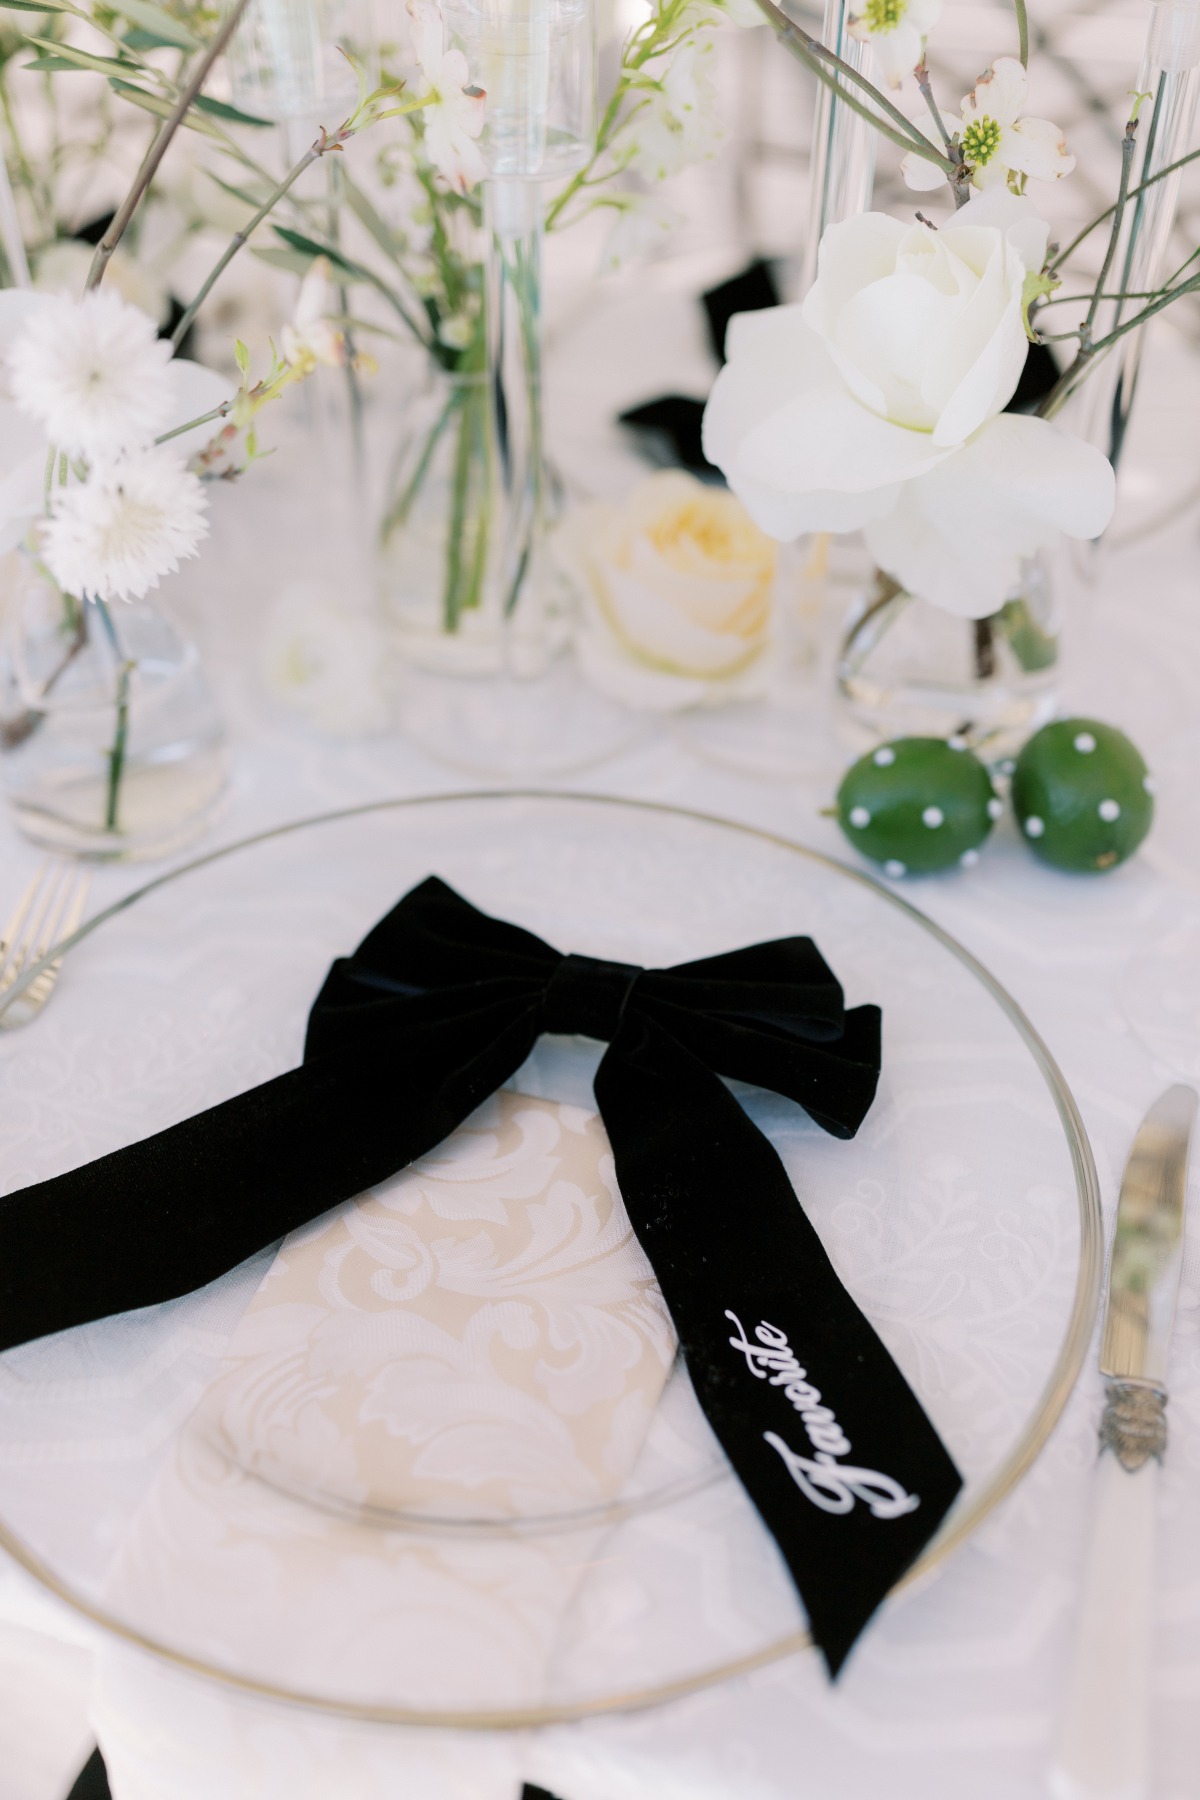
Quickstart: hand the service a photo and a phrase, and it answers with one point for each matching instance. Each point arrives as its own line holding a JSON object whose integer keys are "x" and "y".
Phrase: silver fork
{"x": 49, "y": 910}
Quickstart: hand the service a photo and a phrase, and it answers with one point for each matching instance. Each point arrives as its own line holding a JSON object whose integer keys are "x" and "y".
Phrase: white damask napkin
{"x": 478, "y": 1343}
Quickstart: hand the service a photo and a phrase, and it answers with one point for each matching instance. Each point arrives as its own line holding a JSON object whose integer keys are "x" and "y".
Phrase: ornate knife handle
{"x": 1102, "y": 1751}
{"x": 1134, "y": 1425}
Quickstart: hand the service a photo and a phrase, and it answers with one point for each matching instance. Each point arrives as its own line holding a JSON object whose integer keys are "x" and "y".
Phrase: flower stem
{"x": 1135, "y": 193}
{"x": 218, "y": 412}
{"x": 241, "y": 237}
{"x": 397, "y": 514}
{"x": 1022, "y": 32}
{"x": 1076, "y": 369}
{"x": 830, "y": 68}
{"x": 1128, "y": 143}
{"x": 120, "y": 743}
{"x": 159, "y": 145}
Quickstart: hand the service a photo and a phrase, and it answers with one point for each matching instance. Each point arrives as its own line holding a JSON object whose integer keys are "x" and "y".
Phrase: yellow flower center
{"x": 884, "y": 15}
{"x": 980, "y": 141}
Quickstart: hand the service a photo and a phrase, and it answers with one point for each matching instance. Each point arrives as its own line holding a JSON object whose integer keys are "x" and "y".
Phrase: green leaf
{"x": 292, "y": 262}
{"x": 156, "y": 104}
{"x": 244, "y": 196}
{"x": 81, "y": 59}
{"x": 137, "y": 39}
{"x": 154, "y": 19}
{"x": 310, "y": 247}
{"x": 42, "y": 6}
{"x": 52, "y": 65}
{"x": 369, "y": 218}
{"x": 235, "y": 116}
{"x": 1035, "y": 287}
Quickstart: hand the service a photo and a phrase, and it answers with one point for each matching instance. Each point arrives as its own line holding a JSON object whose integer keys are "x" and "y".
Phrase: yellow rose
{"x": 683, "y": 589}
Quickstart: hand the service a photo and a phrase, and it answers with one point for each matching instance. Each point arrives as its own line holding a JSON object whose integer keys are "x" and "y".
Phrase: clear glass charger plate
{"x": 964, "y": 1218}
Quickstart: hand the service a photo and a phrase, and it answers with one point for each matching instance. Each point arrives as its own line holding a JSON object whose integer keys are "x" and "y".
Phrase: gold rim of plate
{"x": 965, "y": 1516}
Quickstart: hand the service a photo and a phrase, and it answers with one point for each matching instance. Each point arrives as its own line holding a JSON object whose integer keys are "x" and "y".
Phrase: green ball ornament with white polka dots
{"x": 1082, "y": 795}
{"x": 918, "y": 805}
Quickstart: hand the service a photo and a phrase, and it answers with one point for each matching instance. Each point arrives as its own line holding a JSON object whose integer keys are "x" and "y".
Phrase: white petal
{"x": 981, "y": 361}
{"x": 429, "y": 37}
{"x": 23, "y": 452}
{"x": 16, "y": 307}
{"x": 897, "y": 51}
{"x": 923, "y": 15}
{"x": 852, "y": 253}
{"x": 920, "y": 174}
{"x": 1037, "y": 148}
{"x": 998, "y": 95}
{"x": 793, "y": 427}
{"x": 958, "y": 535}
{"x": 789, "y": 516}
{"x": 1023, "y": 226}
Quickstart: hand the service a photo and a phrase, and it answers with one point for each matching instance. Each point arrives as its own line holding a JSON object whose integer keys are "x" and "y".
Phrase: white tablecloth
{"x": 962, "y": 1703}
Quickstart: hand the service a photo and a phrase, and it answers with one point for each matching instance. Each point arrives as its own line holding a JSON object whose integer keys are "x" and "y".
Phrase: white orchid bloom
{"x": 896, "y": 30}
{"x": 878, "y": 405}
{"x": 996, "y": 141}
{"x": 24, "y": 443}
{"x": 311, "y": 335}
{"x": 678, "y": 123}
{"x": 454, "y": 116}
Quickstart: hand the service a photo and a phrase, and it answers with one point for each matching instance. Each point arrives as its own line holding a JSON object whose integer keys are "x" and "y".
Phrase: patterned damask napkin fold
{"x": 481, "y": 1339}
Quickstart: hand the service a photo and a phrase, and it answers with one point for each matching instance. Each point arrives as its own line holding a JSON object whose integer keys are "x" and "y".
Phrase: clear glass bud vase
{"x": 907, "y": 668}
{"x": 110, "y": 744}
{"x": 534, "y": 61}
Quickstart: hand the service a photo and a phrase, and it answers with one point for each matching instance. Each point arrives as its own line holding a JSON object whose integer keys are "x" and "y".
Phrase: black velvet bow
{"x": 439, "y": 1006}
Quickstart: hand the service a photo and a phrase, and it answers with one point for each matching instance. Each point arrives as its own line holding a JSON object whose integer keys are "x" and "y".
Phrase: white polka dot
{"x": 1109, "y": 810}
{"x": 933, "y": 816}
{"x": 1034, "y": 826}
{"x": 969, "y": 858}
{"x": 1148, "y": 783}
{"x": 883, "y": 759}
{"x": 956, "y": 742}
{"x": 859, "y": 816}
{"x": 1006, "y": 765}
{"x": 1085, "y": 743}
{"x": 894, "y": 869}
{"x": 995, "y": 807}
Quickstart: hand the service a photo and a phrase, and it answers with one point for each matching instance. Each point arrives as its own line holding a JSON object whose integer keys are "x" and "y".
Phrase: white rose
{"x": 682, "y": 589}
{"x": 906, "y": 350}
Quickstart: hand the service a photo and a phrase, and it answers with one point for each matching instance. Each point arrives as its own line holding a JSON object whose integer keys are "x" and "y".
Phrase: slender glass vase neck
{"x": 1169, "y": 81}
{"x": 513, "y": 217}
{"x": 843, "y": 144}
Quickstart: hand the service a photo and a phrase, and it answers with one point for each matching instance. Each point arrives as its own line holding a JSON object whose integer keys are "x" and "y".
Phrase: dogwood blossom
{"x": 896, "y": 30}
{"x": 996, "y": 141}
{"x": 134, "y": 520}
{"x": 453, "y": 117}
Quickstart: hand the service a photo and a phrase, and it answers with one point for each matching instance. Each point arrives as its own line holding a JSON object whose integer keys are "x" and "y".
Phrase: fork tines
{"x": 49, "y": 910}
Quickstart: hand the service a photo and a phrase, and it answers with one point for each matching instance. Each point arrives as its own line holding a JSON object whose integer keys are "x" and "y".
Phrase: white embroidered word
{"x": 828, "y": 1483}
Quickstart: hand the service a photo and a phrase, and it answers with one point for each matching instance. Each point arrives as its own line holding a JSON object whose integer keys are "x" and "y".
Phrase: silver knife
{"x": 1102, "y": 1750}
